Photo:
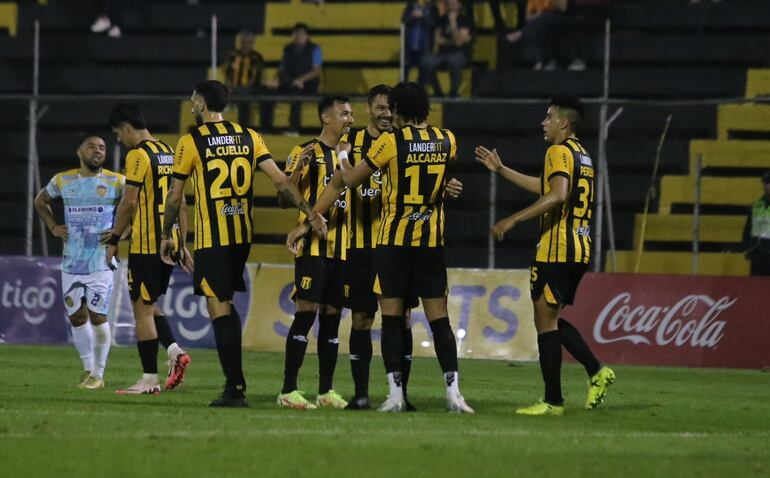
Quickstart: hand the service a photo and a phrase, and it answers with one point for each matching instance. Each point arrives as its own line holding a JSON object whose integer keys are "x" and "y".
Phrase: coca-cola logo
{"x": 691, "y": 321}
{"x": 232, "y": 210}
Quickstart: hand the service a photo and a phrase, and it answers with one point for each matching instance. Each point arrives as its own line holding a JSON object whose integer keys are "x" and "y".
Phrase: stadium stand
{"x": 662, "y": 50}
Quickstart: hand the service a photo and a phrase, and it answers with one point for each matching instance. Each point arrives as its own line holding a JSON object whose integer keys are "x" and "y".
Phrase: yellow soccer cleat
{"x": 82, "y": 379}
{"x": 597, "y": 387}
{"x": 295, "y": 400}
{"x": 93, "y": 383}
{"x": 331, "y": 399}
{"x": 542, "y": 408}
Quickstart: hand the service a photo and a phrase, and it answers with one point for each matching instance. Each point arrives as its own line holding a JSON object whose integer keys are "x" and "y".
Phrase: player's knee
{"x": 79, "y": 318}
{"x": 305, "y": 306}
{"x": 362, "y": 321}
{"x": 97, "y": 319}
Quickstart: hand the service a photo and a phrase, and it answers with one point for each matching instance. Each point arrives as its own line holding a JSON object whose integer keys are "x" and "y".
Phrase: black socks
{"x": 360, "y": 357}
{"x": 549, "y": 346}
{"x": 148, "y": 354}
{"x": 165, "y": 335}
{"x": 328, "y": 349}
{"x": 577, "y": 347}
{"x": 296, "y": 346}
{"x": 227, "y": 333}
{"x": 392, "y": 342}
{"x": 445, "y": 344}
{"x": 406, "y": 363}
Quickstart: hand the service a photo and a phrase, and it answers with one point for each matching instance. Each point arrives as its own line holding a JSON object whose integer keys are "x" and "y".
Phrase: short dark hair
{"x": 83, "y": 137}
{"x": 376, "y": 91}
{"x": 409, "y": 100}
{"x": 214, "y": 93}
{"x": 327, "y": 102}
{"x": 571, "y": 108}
{"x": 127, "y": 113}
{"x": 301, "y": 26}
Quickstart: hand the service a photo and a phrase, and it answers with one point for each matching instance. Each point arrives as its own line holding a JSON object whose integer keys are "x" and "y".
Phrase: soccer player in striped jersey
{"x": 409, "y": 258}
{"x": 149, "y": 164}
{"x": 363, "y": 225}
{"x": 221, "y": 158}
{"x": 565, "y": 207}
{"x": 319, "y": 275}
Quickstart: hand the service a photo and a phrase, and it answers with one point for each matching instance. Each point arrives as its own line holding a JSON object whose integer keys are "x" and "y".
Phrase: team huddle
{"x": 369, "y": 236}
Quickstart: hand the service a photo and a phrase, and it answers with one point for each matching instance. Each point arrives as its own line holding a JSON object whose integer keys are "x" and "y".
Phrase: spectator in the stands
{"x": 109, "y": 20}
{"x": 586, "y": 17}
{"x": 299, "y": 73}
{"x": 243, "y": 69}
{"x": 542, "y": 33}
{"x": 756, "y": 233}
{"x": 418, "y": 18}
{"x": 453, "y": 35}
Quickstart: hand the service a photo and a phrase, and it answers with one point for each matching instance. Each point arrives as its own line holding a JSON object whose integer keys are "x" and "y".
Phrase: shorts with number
{"x": 320, "y": 280}
{"x": 410, "y": 272}
{"x": 94, "y": 288}
{"x": 148, "y": 277}
{"x": 359, "y": 269}
{"x": 219, "y": 271}
{"x": 556, "y": 282}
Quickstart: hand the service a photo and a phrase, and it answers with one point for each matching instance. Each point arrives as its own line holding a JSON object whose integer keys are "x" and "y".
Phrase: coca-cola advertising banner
{"x": 694, "y": 321}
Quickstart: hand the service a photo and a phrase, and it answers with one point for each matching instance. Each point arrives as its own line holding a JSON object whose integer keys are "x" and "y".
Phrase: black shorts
{"x": 557, "y": 282}
{"x": 319, "y": 280}
{"x": 148, "y": 277}
{"x": 359, "y": 270}
{"x": 410, "y": 272}
{"x": 219, "y": 270}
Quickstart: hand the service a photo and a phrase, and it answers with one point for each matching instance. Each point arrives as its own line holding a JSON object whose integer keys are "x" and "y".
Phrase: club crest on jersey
{"x": 306, "y": 282}
{"x": 68, "y": 301}
{"x": 101, "y": 190}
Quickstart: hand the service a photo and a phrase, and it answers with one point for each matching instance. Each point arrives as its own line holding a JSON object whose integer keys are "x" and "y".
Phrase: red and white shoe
{"x": 142, "y": 387}
{"x": 177, "y": 367}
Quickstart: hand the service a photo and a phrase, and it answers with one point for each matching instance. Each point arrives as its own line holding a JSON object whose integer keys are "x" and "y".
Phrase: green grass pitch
{"x": 655, "y": 421}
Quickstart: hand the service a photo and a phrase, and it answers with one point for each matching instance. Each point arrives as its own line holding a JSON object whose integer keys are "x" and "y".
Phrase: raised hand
{"x": 488, "y": 158}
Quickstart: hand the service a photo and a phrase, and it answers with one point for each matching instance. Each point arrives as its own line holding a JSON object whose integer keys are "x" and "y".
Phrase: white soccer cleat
{"x": 101, "y": 25}
{"x": 142, "y": 387}
{"x": 456, "y": 404}
{"x": 393, "y": 404}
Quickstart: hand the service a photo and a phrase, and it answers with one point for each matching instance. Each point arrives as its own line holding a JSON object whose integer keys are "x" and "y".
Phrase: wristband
{"x": 114, "y": 240}
{"x": 342, "y": 155}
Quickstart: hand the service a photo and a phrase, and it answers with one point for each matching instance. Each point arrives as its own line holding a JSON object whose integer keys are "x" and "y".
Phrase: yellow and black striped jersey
{"x": 149, "y": 167}
{"x": 413, "y": 163}
{"x": 366, "y": 198}
{"x": 565, "y": 232}
{"x": 316, "y": 174}
{"x": 221, "y": 157}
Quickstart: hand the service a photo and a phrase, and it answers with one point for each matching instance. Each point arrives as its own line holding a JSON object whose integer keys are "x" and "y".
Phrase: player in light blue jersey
{"x": 90, "y": 195}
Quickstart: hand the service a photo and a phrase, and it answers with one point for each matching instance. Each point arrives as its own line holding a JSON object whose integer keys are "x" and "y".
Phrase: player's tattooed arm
{"x": 170, "y": 214}
{"x": 492, "y": 161}
{"x": 290, "y": 194}
{"x": 43, "y": 208}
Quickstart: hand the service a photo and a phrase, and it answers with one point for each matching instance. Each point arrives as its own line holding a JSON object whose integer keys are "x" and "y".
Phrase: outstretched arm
{"x": 492, "y": 161}
{"x": 547, "y": 202}
{"x": 291, "y": 195}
